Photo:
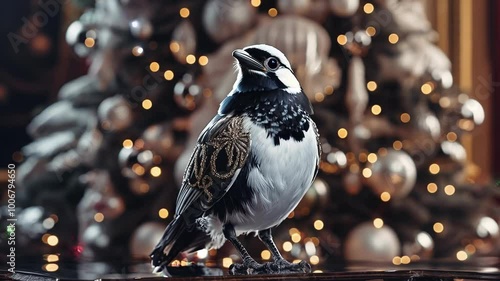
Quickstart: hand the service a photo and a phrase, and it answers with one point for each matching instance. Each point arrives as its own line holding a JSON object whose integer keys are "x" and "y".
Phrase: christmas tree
{"x": 103, "y": 171}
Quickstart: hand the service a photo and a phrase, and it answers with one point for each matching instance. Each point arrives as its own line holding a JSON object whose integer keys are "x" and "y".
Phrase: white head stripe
{"x": 273, "y": 52}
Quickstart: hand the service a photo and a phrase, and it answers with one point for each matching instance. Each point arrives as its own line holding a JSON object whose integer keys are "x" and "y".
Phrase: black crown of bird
{"x": 251, "y": 166}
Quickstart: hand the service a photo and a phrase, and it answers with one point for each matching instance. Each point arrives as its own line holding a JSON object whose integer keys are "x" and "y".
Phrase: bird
{"x": 250, "y": 168}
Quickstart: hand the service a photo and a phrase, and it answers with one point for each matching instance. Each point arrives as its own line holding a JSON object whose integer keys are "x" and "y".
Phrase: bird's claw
{"x": 280, "y": 266}
{"x": 250, "y": 268}
{"x": 284, "y": 266}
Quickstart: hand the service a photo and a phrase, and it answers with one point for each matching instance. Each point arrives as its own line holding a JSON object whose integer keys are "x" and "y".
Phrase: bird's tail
{"x": 176, "y": 238}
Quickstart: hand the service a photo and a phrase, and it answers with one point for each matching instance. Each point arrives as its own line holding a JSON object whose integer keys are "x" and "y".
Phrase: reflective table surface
{"x": 480, "y": 269}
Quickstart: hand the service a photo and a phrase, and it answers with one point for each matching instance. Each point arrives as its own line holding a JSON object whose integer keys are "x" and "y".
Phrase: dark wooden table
{"x": 485, "y": 269}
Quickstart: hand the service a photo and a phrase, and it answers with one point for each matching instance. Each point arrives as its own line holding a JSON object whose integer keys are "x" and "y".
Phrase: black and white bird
{"x": 252, "y": 165}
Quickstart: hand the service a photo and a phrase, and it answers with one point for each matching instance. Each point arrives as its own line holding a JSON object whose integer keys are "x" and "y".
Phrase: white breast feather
{"x": 284, "y": 174}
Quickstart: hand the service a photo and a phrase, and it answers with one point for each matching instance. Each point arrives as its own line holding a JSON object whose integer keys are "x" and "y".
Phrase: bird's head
{"x": 264, "y": 68}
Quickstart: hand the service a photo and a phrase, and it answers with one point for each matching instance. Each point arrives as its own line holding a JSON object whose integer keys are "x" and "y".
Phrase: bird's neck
{"x": 283, "y": 115}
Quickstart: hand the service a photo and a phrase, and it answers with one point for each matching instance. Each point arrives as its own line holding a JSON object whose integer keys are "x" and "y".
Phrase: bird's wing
{"x": 221, "y": 152}
{"x": 320, "y": 150}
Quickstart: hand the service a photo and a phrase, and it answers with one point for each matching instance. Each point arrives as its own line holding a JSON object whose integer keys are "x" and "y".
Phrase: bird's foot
{"x": 284, "y": 266}
{"x": 279, "y": 266}
{"x": 249, "y": 268}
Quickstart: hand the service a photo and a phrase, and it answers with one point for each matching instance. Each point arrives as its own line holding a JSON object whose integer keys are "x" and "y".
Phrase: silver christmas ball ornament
{"x": 224, "y": 19}
{"x": 115, "y": 114}
{"x": 183, "y": 41}
{"x": 187, "y": 93}
{"x": 394, "y": 172}
{"x": 369, "y": 243}
{"x": 141, "y": 28}
{"x": 344, "y": 8}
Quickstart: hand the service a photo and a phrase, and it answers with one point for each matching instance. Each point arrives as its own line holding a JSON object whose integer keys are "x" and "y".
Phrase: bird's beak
{"x": 247, "y": 61}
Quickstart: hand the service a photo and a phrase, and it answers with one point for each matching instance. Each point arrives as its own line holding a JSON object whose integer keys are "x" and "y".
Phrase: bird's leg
{"x": 249, "y": 265}
{"x": 280, "y": 264}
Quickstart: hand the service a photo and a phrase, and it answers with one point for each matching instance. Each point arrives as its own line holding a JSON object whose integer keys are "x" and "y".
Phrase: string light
{"x": 154, "y": 66}
{"x": 449, "y": 190}
{"x": 207, "y": 92}
{"x": 405, "y": 260}
{"x": 48, "y": 223}
{"x": 99, "y": 217}
{"x": 89, "y": 42}
{"x": 296, "y": 237}
{"x": 368, "y": 8}
{"x": 138, "y": 169}
{"x": 444, "y": 102}
{"x": 432, "y": 187}
{"x": 50, "y": 267}
{"x": 147, "y": 104}
{"x": 378, "y": 223}
{"x": 184, "y": 12}
{"x": 342, "y": 133}
{"x": 128, "y": 143}
{"x": 319, "y": 97}
{"x": 203, "y": 60}
{"x": 371, "y": 86}
{"x": 226, "y": 262}
{"x": 255, "y": 3}
{"x": 287, "y": 246}
{"x": 52, "y": 240}
{"x": 372, "y": 158}
{"x": 376, "y": 109}
{"x": 272, "y": 12}
{"x": 438, "y": 227}
{"x": 367, "y": 173}
{"x": 328, "y": 90}
{"x": 397, "y": 145}
{"x": 155, "y": 171}
{"x": 466, "y": 125}
{"x": 462, "y": 255}
{"x": 314, "y": 260}
{"x": 318, "y": 224}
{"x": 405, "y": 117}
{"x": 163, "y": 213}
{"x": 293, "y": 230}
{"x": 382, "y": 151}
{"x": 434, "y": 168}
{"x": 342, "y": 39}
{"x": 265, "y": 255}
{"x": 168, "y": 75}
{"x": 385, "y": 196}
{"x": 470, "y": 249}
{"x": 52, "y": 258}
{"x": 451, "y": 136}
{"x": 371, "y": 31}
{"x": 144, "y": 188}
{"x": 190, "y": 59}
{"x": 393, "y": 38}
{"x": 174, "y": 47}
{"x": 427, "y": 88}
{"x": 396, "y": 260}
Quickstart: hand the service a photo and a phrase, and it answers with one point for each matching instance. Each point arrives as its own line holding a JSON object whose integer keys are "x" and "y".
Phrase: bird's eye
{"x": 272, "y": 63}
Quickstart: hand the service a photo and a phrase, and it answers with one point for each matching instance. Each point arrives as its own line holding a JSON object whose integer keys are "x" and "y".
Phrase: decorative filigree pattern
{"x": 218, "y": 159}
